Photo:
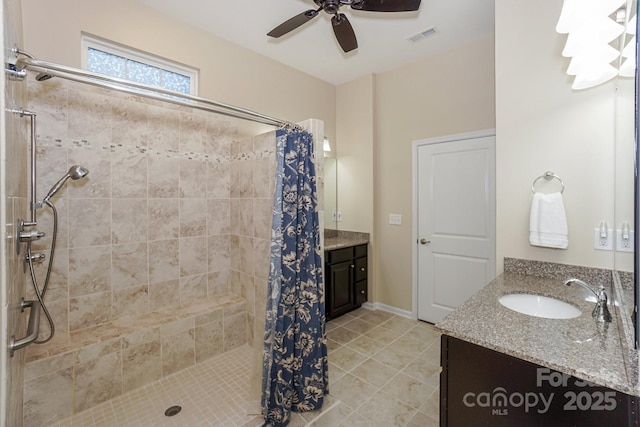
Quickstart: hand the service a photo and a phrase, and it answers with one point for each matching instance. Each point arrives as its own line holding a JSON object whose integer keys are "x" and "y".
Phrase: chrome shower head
{"x": 75, "y": 172}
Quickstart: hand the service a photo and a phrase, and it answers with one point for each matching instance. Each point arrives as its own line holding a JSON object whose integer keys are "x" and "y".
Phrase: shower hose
{"x": 41, "y": 293}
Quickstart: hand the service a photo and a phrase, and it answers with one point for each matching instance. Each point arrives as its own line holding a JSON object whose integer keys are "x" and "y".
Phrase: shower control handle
{"x": 36, "y": 257}
{"x": 30, "y": 236}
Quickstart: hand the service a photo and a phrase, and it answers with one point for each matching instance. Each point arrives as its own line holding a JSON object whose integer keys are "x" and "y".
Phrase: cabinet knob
{"x": 361, "y": 268}
{"x": 352, "y": 266}
{"x": 362, "y": 292}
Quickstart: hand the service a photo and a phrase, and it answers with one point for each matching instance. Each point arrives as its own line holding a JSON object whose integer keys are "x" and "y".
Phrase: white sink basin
{"x": 539, "y": 306}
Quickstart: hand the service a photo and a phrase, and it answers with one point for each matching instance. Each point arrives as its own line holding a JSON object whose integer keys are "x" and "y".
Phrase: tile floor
{"x": 384, "y": 371}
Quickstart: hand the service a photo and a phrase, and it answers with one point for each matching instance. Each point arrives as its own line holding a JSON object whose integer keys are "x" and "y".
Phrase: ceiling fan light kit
{"x": 341, "y": 26}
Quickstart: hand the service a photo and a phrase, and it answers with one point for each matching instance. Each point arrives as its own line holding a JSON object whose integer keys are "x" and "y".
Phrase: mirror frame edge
{"x": 636, "y": 194}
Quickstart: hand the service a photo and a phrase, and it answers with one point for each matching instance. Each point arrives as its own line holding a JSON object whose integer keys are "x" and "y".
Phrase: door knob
{"x": 424, "y": 241}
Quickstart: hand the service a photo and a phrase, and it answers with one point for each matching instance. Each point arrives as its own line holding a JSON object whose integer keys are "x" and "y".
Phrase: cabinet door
{"x": 341, "y": 288}
{"x": 361, "y": 292}
{"x": 361, "y": 268}
{"x": 482, "y": 387}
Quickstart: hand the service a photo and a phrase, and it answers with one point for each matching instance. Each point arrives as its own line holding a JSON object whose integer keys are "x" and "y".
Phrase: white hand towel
{"x": 548, "y": 221}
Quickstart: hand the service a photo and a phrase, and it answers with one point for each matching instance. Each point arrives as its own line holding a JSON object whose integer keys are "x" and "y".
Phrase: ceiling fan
{"x": 341, "y": 25}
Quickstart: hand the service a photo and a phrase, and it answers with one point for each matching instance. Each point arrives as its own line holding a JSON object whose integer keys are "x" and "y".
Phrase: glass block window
{"x": 114, "y": 60}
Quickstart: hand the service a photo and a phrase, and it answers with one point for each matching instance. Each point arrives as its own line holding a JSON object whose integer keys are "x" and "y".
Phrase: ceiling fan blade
{"x": 344, "y": 32}
{"x": 386, "y": 5}
{"x": 293, "y": 23}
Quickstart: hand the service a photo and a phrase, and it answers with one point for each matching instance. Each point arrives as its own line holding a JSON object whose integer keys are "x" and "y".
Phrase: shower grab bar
{"x": 33, "y": 328}
{"x": 28, "y": 62}
{"x": 32, "y": 162}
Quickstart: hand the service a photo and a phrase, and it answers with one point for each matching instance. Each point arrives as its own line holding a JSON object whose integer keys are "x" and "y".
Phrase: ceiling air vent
{"x": 423, "y": 34}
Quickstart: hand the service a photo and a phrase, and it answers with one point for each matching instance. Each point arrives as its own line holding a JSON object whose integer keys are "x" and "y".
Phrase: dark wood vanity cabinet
{"x": 483, "y": 387}
{"x": 345, "y": 280}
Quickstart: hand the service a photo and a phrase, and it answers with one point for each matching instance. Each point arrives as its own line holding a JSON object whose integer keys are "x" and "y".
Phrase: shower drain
{"x": 173, "y": 410}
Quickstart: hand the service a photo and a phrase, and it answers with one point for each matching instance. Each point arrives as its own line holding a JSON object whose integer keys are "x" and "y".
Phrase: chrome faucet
{"x": 601, "y": 310}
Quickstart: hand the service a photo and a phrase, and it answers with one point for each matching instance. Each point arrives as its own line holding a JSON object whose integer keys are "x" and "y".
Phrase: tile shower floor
{"x": 384, "y": 371}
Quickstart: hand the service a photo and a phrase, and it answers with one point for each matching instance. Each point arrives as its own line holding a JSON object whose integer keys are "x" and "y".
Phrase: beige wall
{"x": 228, "y": 72}
{"x": 447, "y": 94}
{"x": 542, "y": 124}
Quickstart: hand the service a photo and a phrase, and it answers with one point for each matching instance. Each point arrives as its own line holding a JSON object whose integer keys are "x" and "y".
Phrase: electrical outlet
{"x": 603, "y": 243}
{"x": 338, "y": 216}
{"x": 395, "y": 219}
{"x": 334, "y": 216}
{"x": 624, "y": 245}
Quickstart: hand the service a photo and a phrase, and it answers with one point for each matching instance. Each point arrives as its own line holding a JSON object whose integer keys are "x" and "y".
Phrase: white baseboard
{"x": 387, "y": 308}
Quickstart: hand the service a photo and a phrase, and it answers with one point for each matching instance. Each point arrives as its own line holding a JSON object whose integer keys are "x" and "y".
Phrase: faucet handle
{"x": 602, "y": 293}
{"x": 601, "y": 310}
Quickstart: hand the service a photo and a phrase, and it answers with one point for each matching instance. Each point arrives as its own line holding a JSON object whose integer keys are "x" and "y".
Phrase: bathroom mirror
{"x": 625, "y": 216}
{"x": 635, "y": 201}
{"x": 623, "y": 221}
{"x": 626, "y": 210}
{"x": 330, "y": 188}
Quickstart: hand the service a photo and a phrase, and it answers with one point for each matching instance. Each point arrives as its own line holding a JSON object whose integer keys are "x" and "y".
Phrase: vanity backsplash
{"x": 553, "y": 270}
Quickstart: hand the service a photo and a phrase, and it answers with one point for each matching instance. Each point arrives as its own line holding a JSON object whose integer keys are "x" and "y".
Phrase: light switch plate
{"x": 395, "y": 219}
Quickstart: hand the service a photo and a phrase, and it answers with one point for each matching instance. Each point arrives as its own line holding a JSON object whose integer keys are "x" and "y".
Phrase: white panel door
{"x": 455, "y": 223}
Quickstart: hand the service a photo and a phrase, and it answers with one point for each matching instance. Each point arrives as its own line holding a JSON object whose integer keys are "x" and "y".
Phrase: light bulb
{"x": 325, "y": 145}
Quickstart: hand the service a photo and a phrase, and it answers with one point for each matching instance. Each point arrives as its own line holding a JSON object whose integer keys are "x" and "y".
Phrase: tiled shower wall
{"x": 147, "y": 230}
{"x": 149, "y": 226}
{"x": 253, "y": 164}
{"x": 14, "y": 143}
{"x": 173, "y": 211}
{"x": 252, "y": 184}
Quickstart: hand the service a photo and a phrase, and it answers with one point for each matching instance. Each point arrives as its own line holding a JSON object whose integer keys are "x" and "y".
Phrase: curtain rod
{"x": 45, "y": 68}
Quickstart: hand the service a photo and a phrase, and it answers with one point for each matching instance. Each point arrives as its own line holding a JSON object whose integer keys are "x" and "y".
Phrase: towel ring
{"x": 548, "y": 175}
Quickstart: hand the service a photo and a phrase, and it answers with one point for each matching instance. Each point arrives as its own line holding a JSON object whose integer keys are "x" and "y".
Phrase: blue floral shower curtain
{"x": 295, "y": 375}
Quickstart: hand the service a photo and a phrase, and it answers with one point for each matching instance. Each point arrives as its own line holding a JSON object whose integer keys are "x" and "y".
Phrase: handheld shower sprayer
{"x": 75, "y": 172}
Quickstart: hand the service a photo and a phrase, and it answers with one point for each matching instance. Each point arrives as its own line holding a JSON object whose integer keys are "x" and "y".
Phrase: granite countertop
{"x": 578, "y": 346}
{"x": 337, "y": 239}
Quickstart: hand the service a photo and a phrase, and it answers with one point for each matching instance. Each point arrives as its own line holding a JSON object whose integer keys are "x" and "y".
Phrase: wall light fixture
{"x": 600, "y": 40}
